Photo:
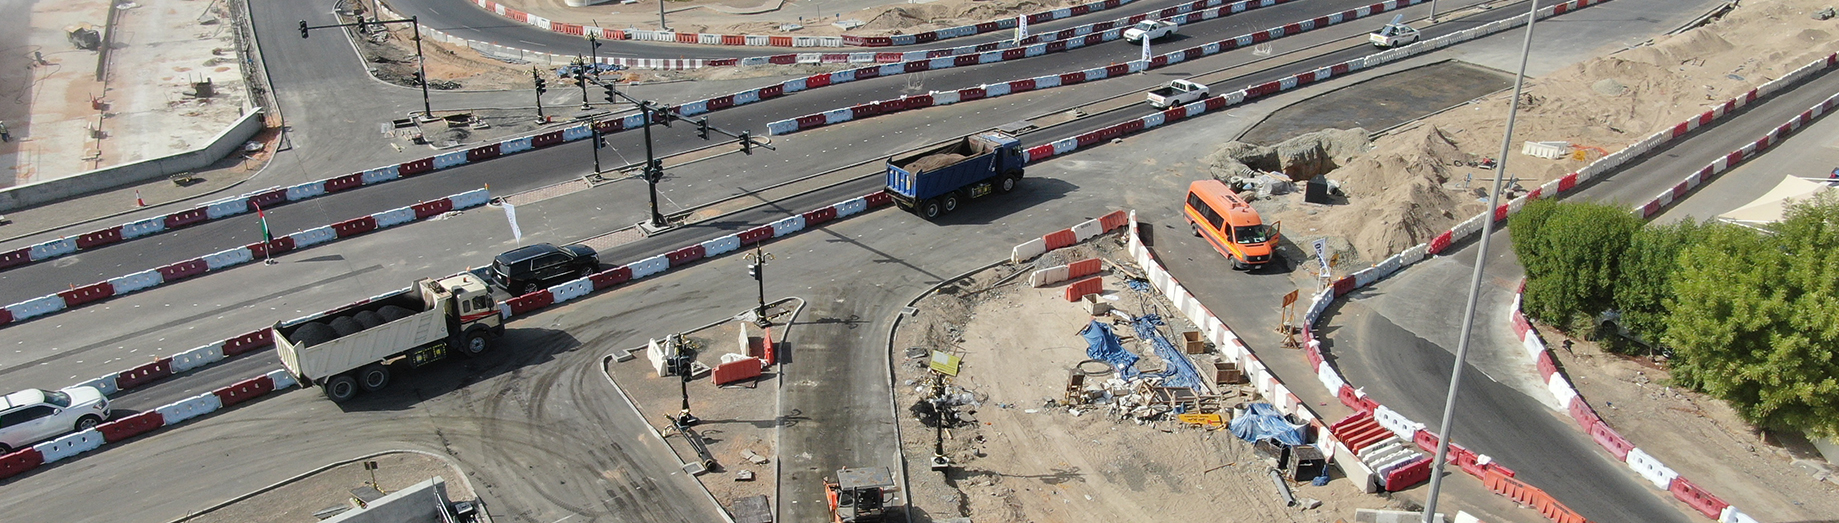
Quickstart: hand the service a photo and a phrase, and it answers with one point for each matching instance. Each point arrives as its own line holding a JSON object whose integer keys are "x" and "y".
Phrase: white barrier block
{"x": 136, "y": 229}
{"x": 792, "y": 86}
{"x": 106, "y": 384}
{"x": 53, "y": 248}
{"x": 136, "y": 281}
{"x": 943, "y": 62}
{"x": 1066, "y": 146}
{"x": 177, "y": 412}
{"x": 944, "y": 98}
{"x": 721, "y": 245}
{"x": 1028, "y": 250}
{"x": 837, "y": 116}
{"x": 844, "y": 76}
{"x": 851, "y": 207}
{"x": 631, "y": 121}
{"x": 514, "y": 146}
{"x": 1732, "y": 515}
{"x": 70, "y": 445}
{"x": 788, "y": 226}
{"x": 394, "y": 217}
{"x": 1043, "y": 82}
{"x": 1088, "y": 229}
{"x": 1365, "y": 277}
{"x": 449, "y": 159}
{"x": 781, "y": 127}
{"x": 649, "y": 266}
{"x": 228, "y": 257}
{"x": 1562, "y": 389}
{"x": 282, "y": 379}
{"x": 746, "y": 97}
{"x": 469, "y": 199}
{"x": 1400, "y": 425}
{"x": 198, "y": 357}
{"x": 1330, "y": 380}
{"x": 693, "y": 108}
{"x": 222, "y": 208}
{"x": 35, "y": 307}
{"x": 571, "y": 289}
{"x": 579, "y": 132}
{"x": 892, "y": 69}
{"x": 1048, "y": 276}
{"x": 306, "y": 190}
{"x": 1651, "y": 469}
{"x": 313, "y": 236}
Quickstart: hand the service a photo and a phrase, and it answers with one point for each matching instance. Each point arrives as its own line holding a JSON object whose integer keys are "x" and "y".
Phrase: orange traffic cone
{"x": 138, "y": 202}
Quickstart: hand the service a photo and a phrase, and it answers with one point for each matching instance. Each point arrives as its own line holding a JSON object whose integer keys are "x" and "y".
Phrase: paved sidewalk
{"x": 763, "y": 17}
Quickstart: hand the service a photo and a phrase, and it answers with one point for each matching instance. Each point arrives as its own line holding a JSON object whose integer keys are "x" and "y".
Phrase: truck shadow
{"x": 517, "y": 349}
{"x": 989, "y": 209}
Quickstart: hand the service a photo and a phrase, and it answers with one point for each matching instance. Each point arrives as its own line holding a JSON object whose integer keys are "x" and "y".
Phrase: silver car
{"x": 33, "y": 415}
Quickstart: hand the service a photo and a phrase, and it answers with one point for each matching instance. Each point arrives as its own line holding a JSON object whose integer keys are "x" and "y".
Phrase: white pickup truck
{"x": 1179, "y": 92}
{"x": 1394, "y": 34}
{"x": 1150, "y": 29}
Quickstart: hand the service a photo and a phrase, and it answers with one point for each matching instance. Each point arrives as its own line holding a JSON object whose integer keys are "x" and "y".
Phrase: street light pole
{"x": 1447, "y": 428}
{"x": 421, "y": 65}
{"x": 652, "y": 173}
{"x": 593, "y": 130}
{"x": 757, "y": 268}
{"x": 661, "y": 24}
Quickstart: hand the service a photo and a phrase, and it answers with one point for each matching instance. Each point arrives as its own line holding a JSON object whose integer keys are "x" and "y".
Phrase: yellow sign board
{"x": 943, "y": 363}
{"x": 1210, "y": 420}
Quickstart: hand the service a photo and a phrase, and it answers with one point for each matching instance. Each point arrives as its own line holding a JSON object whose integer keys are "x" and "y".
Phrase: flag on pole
{"x": 510, "y": 213}
{"x": 1146, "y": 48}
{"x": 1021, "y": 29}
{"x": 266, "y": 236}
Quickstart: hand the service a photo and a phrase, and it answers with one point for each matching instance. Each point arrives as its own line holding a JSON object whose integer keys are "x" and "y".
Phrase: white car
{"x": 33, "y": 415}
{"x": 1151, "y": 29}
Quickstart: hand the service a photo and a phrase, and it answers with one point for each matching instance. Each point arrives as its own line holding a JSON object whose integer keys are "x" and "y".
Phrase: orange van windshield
{"x": 1251, "y": 234}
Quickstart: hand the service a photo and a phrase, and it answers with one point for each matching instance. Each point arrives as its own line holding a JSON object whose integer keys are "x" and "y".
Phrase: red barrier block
{"x": 1130, "y": 127}
{"x": 938, "y": 53}
{"x": 1039, "y": 152}
{"x": 1080, "y": 9}
{"x": 567, "y": 29}
{"x": 964, "y": 61}
{"x": 1315, "y": 357}
{"x": 355, "y": 226}
{"x": 517, "y": 15}
{"x": 919, "y": 100}
{"x": 15, "y": 258}
{"x": 260, "y": 250}
{"x": 1611, "y": 441}
{"x": 1408, "y": 476}
{"x": 1117, "y": 70}
{"x": 1581, "y": 413}
{"x": 416, "y": 167}
{"x": 877, "y": 41}
{"x": 1706, "y": 117}
{"x": 916, "y": 66}
{"x": 87, "y": 293}
{"x": 1305, "y": 78}
{"x": 1734, "y": 158}
{"x": 183, "y": 270}
{"x": 878, "y": 198}
{"x": 610, "y": 277}
{"x": 724, "y": 62}
{"x": 1344, "y": 286}
{"x": 1081, "y": 288}
{"x": 1262, "y": 89}
{"x": 1072, "y": 78}
{"x": 722, "y": 102}
{"x": 688, "y": 38}
{"x": 1567, "y": 183}
{"x": 1696, "y": 496}
{"x": 98, "y": 238}
{"x": 1114, "y": 220}
{"x": 734, "y": 40}
{"x": 807, "y": 122}
{"x": 268, "y": 199}
{"x": 1495, "y": 467}
{"x": 817, "y": 80}
{"x": 1290, "y": 29}
{"x": 755, "y": 234}
{"x": 1650, "y": 209}
{"x": 1500, "y": 213}
{"x": 737, "y": 370}
{"x": 1560, "y": 9}
{"x": 783, "y": 59}
{"x": 248, "y": 342}
{"x": 888, "y": 57}
{"x": 685, "y": 255}
{"x": 1679, "y": 130}
{"x": 244, "y": 390}
{"x": 529, "y": 302}
{"x": 1088, "y": 139}
{"x": 431, "y": 208}
{"x": 926, "y": 37}
{"x": 1346, "y": 395}
{"x": 1425, "y": 440}
{"x": 779, "y": 41}
{"x": 1083, "y": 268}
{"x": 1019, "y": 86}
{"x": 546, "y": 139}
{"x": 131, "y": 426}
{"x": 867, "y": 72}
{"x": 20, "y": 461}
{"x": 143, "y": 374}
{"x": 859, "y": 112}
{"x": 341, "y": 183}
{"x": 1441, "y": 242}
{"x": 1060, "y": 238}
{"x": 485, "y": 152}
{"x": 813, "y": 218}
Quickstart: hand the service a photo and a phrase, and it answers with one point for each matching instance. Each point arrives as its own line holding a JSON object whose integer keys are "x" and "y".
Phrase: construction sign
{"x": 1205, "y": 420}
{"x": 943, "y": 363}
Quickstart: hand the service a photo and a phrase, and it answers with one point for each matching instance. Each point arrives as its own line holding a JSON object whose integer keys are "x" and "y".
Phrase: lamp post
{"x": 756, "y": 267}
{"x": 1468, "y": 314}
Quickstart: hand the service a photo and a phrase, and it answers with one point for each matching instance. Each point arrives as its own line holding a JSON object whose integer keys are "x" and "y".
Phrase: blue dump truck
{"x": 933, "y": 182}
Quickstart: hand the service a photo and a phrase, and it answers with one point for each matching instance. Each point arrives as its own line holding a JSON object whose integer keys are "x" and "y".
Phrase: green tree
{"x": 1572, "y": 257}
{"x": 1647, "y": 271}
{"x": 1753, "y": 318}
{"x": 1524, "y": 227}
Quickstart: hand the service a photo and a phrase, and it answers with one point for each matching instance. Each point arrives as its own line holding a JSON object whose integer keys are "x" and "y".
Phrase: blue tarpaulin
{"x": 1102, "y": 344}
{"x": 1262, "y": 421}
{"x": 1180, "y": 371}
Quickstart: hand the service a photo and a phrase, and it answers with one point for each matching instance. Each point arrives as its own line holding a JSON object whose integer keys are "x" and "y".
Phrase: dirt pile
{"x": 1408, "y": 185}
{"x": 904, "y": 19}
{"x": 1299, "y": 158}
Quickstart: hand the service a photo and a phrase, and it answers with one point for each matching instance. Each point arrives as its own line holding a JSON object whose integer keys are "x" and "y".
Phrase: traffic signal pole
{"x": 421, "y": 61}
{"x": 541, "y": 88}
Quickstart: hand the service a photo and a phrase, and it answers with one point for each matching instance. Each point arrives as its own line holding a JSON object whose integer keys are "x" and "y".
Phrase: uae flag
{"x": 266, "y": 236}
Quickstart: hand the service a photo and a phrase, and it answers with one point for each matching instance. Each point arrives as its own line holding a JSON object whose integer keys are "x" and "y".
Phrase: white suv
{"x": 33, "y": 415}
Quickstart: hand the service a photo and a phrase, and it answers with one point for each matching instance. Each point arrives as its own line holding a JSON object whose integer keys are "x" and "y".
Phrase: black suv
{"x": 537, "y": 267}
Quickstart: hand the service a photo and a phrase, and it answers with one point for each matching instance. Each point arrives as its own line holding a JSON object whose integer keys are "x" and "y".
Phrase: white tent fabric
{"x": 1769, "y": 207}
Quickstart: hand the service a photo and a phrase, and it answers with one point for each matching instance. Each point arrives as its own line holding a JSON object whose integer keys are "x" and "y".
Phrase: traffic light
{"x": 702, "y": 128}
{"x": 303, "y": 29}
{"x": 415, "y": 77}
{"x": 746, "y": 142}
{"x": 753, "y": 271}
{"x": 663, "y": 115}
{"x": 657, "y": 171}
{"x": 612, "y": 97}
{"x": 542, "y": 86}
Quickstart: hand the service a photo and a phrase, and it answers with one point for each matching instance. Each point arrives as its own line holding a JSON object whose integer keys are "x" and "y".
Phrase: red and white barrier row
{"x": 1641, "y": 462}
{"x": 75, "y": 443}
{"x": 793, "y": 41}
{"x": 150, "y": 278}
{"x": 1753, "y": 149}
{"x": 940, "y": 98}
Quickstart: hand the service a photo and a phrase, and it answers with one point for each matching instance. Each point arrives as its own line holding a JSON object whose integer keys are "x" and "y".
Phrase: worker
{"x": 4, "y": 135}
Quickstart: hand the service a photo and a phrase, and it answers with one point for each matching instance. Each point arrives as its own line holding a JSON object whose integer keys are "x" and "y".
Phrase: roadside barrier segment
{"x": 150, "y": 278}
{"x": 70, "y": 445}
{"x": 1496, "y": 477}
{"x": 941, "y": 98}
{"x": 794, "y": 41}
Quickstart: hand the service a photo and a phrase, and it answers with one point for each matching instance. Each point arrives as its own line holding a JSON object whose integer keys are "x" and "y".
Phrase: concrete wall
{"x": 423, "y": 502}
{"x": 226, "y": 142}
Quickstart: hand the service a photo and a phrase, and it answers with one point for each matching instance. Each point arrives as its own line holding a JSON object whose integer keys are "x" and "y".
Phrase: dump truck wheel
{"x": 1009, "y": 181}
{"x": 949, "y": 202}
{"x": 930, "y": 209}
{"x": 374, "y": 378}
{"x": 341, "y": 388}
{"x": 476, "y": 343}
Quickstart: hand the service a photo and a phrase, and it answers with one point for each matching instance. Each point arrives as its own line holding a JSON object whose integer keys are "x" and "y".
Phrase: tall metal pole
{"x": 421, "y": 63}
{"x": 1447, "y": 429}
{"x": 537, "y": 79}
{"x": 593, "y": 130}
{"x": 593, "y": 59}
{"x": 651, "y": 171}
{"x": 581, "y": 78}
{"x": 661, "y": 24}
{"x": 1433, "y": 11}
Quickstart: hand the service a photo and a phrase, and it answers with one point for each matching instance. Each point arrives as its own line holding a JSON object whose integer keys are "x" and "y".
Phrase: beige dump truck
{"x": 352, "y": 348}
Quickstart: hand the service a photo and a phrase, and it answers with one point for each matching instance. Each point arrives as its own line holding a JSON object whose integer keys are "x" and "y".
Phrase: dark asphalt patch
{"x": 1382, "y": 102}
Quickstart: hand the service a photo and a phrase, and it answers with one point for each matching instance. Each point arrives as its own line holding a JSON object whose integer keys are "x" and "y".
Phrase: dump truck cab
{"x": 1229, "y": 224}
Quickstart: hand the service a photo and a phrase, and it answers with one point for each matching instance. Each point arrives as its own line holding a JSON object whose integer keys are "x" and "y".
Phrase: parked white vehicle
{"x": 33, "y": 415}
{"x": 1151, "y": 29}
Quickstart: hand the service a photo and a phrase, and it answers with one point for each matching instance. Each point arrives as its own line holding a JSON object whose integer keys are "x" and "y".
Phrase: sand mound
{"x": 896, "y": 18}
{"x": 1299, "y": 158}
